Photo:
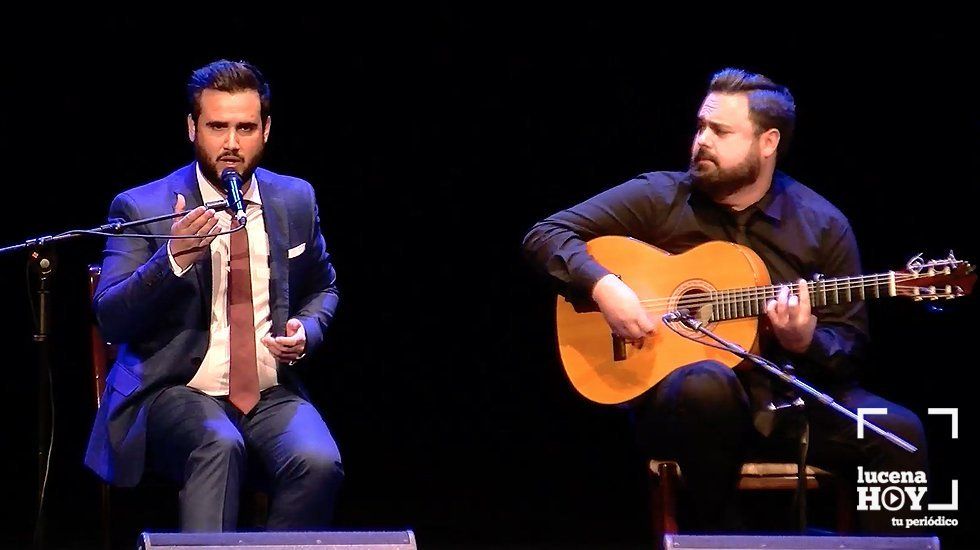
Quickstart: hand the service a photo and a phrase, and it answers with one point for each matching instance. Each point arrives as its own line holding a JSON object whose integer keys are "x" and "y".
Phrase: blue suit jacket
{"x": 161, "y": 321}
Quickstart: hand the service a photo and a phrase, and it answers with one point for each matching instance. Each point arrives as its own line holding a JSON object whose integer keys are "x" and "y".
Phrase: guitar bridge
{"x": 619, "y": 348}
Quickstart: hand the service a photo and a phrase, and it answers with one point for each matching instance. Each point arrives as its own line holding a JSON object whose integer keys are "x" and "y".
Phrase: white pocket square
{"x": 296, "y": 250}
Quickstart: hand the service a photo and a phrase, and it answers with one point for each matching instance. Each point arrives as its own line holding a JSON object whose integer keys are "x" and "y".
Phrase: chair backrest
{"x": 103, "y": 353}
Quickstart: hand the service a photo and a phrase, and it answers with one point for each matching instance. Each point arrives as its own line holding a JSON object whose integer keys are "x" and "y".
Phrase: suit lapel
{"x": 277, "y": 227}
{"x": 186, "y": 184}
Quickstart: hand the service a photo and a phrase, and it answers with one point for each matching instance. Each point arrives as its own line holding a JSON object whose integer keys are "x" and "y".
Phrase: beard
{"x": 209, "y": 166}
{"x": 719, "y": 182}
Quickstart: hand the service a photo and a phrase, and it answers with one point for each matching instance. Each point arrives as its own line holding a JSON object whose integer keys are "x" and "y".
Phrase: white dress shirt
{"x": 212, "y": 375}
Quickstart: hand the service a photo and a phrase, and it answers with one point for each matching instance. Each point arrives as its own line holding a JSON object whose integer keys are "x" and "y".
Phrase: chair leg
{"x": 664, "y": 500}
{"x": 845, "y": 506}
{"x": 261, "y": 501}
{"x": 104, "y": 513}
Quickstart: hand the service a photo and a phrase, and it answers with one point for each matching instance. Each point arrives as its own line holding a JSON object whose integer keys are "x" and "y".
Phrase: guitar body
{"x": 606, "y": 371}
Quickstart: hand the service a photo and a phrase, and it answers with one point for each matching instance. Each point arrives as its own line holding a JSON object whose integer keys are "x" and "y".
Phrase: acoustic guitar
{"x": 724, "y": 285}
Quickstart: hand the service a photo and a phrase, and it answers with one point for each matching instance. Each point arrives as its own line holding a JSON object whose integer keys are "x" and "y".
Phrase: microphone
{"x": 675, "y": 316}
{"x": 233, "y": 186}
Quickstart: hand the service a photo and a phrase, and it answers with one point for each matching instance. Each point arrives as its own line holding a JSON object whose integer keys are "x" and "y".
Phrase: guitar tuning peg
{"x": 915, "y": 264}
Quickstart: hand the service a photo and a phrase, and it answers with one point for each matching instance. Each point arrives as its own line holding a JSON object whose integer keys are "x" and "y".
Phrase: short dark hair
{"x": 770, "y": 104}
{"x": 227, "y": 76}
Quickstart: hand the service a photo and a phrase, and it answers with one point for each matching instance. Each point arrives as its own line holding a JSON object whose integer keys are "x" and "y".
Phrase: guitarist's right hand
{"x": 622, "y": 309}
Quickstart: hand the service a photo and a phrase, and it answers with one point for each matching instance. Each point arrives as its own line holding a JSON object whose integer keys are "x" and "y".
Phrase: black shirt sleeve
{"x": 841, "y": 337}
{"x": 557, "y": 244}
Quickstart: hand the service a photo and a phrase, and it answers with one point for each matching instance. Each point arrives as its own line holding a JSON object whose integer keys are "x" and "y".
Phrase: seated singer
{"x": 706, "y": 414}
{"x": 209, "y": 327}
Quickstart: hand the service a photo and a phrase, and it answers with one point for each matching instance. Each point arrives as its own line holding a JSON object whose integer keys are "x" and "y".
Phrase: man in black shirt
{"x": 703, "y": 414}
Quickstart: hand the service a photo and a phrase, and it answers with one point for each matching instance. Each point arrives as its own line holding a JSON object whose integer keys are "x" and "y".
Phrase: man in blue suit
{"x": 209, "y": 325}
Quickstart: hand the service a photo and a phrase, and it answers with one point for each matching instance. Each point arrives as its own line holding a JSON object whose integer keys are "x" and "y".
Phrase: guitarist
{"x": 705, "y": 415}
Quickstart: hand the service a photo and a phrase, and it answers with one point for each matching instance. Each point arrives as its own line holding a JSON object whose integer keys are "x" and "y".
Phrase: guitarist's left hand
{"x": 792, "y": 321}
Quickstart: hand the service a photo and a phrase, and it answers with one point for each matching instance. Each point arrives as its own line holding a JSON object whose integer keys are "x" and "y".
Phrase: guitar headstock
{"x": 937, "y": 279}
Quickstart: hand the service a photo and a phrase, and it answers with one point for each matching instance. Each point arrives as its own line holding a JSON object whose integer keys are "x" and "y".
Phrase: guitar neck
{"x": 751, "y": 301}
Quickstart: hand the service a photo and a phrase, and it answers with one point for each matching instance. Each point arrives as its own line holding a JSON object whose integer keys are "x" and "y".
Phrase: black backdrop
{"x": 434, "y": 139}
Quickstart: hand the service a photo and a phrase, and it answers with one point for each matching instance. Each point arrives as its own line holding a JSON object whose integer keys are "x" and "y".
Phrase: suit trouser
{"x": 700, "y": 416}
{"x": 204, "y": 443}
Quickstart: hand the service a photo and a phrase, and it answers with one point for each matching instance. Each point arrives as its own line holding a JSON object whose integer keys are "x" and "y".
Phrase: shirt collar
{"x": 772, "y": 204}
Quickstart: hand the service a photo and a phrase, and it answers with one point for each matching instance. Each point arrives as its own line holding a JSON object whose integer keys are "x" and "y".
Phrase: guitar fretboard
{"x": 751, "y": 302}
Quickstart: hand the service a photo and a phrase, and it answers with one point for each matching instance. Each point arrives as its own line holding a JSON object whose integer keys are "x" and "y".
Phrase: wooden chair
{"x": 755, "y": 476}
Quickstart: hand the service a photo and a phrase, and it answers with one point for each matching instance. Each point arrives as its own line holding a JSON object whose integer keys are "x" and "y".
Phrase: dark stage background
{"x": 435, "y": 139}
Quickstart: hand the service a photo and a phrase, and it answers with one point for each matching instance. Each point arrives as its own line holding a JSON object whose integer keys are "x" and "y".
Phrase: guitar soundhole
{"x": 690, "y": 295}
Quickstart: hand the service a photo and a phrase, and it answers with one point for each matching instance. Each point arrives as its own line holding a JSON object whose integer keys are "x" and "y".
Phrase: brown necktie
{"x": 243, "y": 378}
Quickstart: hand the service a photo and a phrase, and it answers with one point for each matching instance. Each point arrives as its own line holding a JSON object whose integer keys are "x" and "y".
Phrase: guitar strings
{"x": 733, "y": 298}
{"x": 772, "y": 290}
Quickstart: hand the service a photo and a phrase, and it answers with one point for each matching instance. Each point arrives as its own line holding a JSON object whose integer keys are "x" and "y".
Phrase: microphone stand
{"x": 684, "y": 317}
{"x": 42, "y": 263}
{"x": 111, "y": 227}
{"x": 698, "y": 326}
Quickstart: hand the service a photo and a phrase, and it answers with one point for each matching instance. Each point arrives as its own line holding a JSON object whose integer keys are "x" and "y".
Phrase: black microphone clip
{"x": 676, "y": 315}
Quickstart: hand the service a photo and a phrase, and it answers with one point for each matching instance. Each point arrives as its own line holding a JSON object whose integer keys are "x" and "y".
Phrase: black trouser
{"x": 700, "y": 416}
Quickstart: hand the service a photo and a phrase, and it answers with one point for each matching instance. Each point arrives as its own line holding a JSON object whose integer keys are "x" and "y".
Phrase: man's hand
{"x": 199, "y": 221}
{"x": 622, "y": 309}
{"x": 792, "y": 322}
{"x": 288, "y": 348}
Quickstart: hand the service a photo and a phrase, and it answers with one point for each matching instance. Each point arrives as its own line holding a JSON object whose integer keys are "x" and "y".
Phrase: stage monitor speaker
{"x": 308, "y": 540}
{"x": 789, "y": 542}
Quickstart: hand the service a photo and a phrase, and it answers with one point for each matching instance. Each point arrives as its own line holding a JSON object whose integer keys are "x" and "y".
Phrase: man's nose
{"x": 231, "y": 142}
{"x": 701, "y": 138}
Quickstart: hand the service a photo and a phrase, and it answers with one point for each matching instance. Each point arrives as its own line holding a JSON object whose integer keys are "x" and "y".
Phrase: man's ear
{"x": 769, "y": 142}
